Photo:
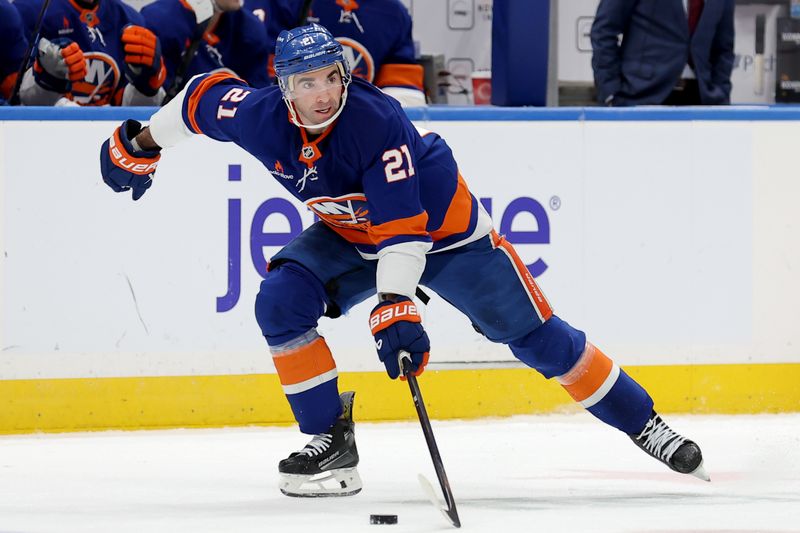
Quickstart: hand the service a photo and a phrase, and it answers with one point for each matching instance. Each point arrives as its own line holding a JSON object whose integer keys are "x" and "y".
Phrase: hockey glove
{"x": 124, "y": 168}
{"x": 58, "y": 63}
{"x": 144, "y": 66}
{"x": 396, "y": 325}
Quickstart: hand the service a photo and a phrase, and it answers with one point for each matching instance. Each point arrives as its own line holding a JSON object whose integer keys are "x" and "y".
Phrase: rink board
{"x": 214, "y": 401}
{"x": 670, "y": 236}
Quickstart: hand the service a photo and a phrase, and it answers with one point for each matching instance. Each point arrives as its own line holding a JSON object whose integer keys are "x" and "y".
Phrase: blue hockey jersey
{"x": 12, "y": 47}
{"x": 236, "y": 43}
{"x": 376, "y": 35}
{"x": 98, "y": 32}
{"x": 371, "y": 176}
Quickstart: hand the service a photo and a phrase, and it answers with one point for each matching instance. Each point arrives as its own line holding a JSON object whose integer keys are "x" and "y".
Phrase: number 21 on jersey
{"x": 234, "y": 96}
{"x": 398, "y": 164}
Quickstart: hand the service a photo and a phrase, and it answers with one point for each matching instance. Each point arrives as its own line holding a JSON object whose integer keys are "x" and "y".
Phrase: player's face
{"x": 317, "y": 94}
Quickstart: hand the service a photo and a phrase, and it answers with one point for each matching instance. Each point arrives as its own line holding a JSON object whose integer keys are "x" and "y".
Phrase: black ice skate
{"x": 682, "y": 455}
{"x": 326, "y": 466}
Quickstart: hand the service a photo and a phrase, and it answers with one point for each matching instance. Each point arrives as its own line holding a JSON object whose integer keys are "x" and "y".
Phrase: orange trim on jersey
{"x": 201, "y": 89}
{"x": 116, "y": 98}
{"x": 90, "y": 20}
{"x": 353, "y": 236}
{"x": 347, "y": 5}
{"x": 415, "y": 225}
{"x": 7, "y": 85}
{"x": 588, "y": 374}
{"x": 185, "y": 4}
{"x": 537, "y": 296}
{"x": 304, "y": 363}
{"x": 456, "y": 219}
{"x": 399, "y": 75}
{"x": 313, "y": 145}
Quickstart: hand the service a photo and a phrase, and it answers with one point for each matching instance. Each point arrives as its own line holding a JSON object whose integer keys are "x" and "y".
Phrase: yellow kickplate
{"x": 54, "y": 405}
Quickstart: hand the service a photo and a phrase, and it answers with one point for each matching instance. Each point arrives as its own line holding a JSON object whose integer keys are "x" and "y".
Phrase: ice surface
{"x": 533, "y": 474}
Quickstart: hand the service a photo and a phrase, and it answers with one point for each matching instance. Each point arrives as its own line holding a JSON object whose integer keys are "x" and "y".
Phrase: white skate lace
{"x": 318, "y": 444}
{"x": 660, "y": 440}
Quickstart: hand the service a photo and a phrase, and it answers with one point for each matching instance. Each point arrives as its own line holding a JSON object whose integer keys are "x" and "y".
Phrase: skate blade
{"x": 334, "y": 483}
{"x": 700, "y": 473}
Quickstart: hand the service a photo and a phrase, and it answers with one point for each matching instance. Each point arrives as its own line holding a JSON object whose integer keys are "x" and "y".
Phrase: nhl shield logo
{"x": 308, "y": 152}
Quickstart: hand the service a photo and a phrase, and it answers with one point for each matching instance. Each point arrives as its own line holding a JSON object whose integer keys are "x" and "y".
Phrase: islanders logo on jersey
{"x": 361, "y": 62}
{"x": 349, "y": 211}
{"x": 102, "y": 79}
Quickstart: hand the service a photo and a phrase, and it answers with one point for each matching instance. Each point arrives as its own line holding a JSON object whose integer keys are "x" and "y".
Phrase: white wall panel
{"x": 669, "y": 242}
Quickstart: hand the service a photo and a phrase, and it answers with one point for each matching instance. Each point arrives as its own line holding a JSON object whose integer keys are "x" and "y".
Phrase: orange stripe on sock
{"x": 201, "y": 89}
{"x": 588, "y": 374}
{"x": 538, "y": 299}
{"x": 304, "y": 363}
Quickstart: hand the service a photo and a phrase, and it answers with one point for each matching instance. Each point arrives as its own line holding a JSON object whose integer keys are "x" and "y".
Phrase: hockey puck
{"x": 382, "y": 519}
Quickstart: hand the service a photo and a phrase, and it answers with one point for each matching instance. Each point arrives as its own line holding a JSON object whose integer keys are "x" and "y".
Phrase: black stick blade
{"x": 450, "y": 511}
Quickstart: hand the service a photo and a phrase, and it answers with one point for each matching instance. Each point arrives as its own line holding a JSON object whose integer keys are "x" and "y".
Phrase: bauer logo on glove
{"x": 122, "y": 166}
{"x": 392, "y": 313}
{"x": 397, "y": 326}
{"x": 123, "y": 159}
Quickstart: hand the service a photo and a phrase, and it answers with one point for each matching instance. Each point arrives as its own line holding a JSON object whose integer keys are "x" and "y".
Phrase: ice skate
{"x": 682, "y": 455}
{"x": 326, "y": 466}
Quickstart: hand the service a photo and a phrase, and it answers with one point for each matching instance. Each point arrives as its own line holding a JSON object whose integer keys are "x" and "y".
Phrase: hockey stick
{"x": 301, "y": 19}
{"x": 186, "y": 60}
{"x": 14, "y": 98}
{"x": 449, "y": 510}
{"x": 203, "y": 11}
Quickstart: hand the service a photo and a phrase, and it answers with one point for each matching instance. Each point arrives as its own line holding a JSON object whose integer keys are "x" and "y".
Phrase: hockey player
{"x": 394, "y": 213}
{"x": 12, "y": 48}
{"x": 375, "y": 34}
{"x": 233, "y": 39}
{"x": 92, "y": 52}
